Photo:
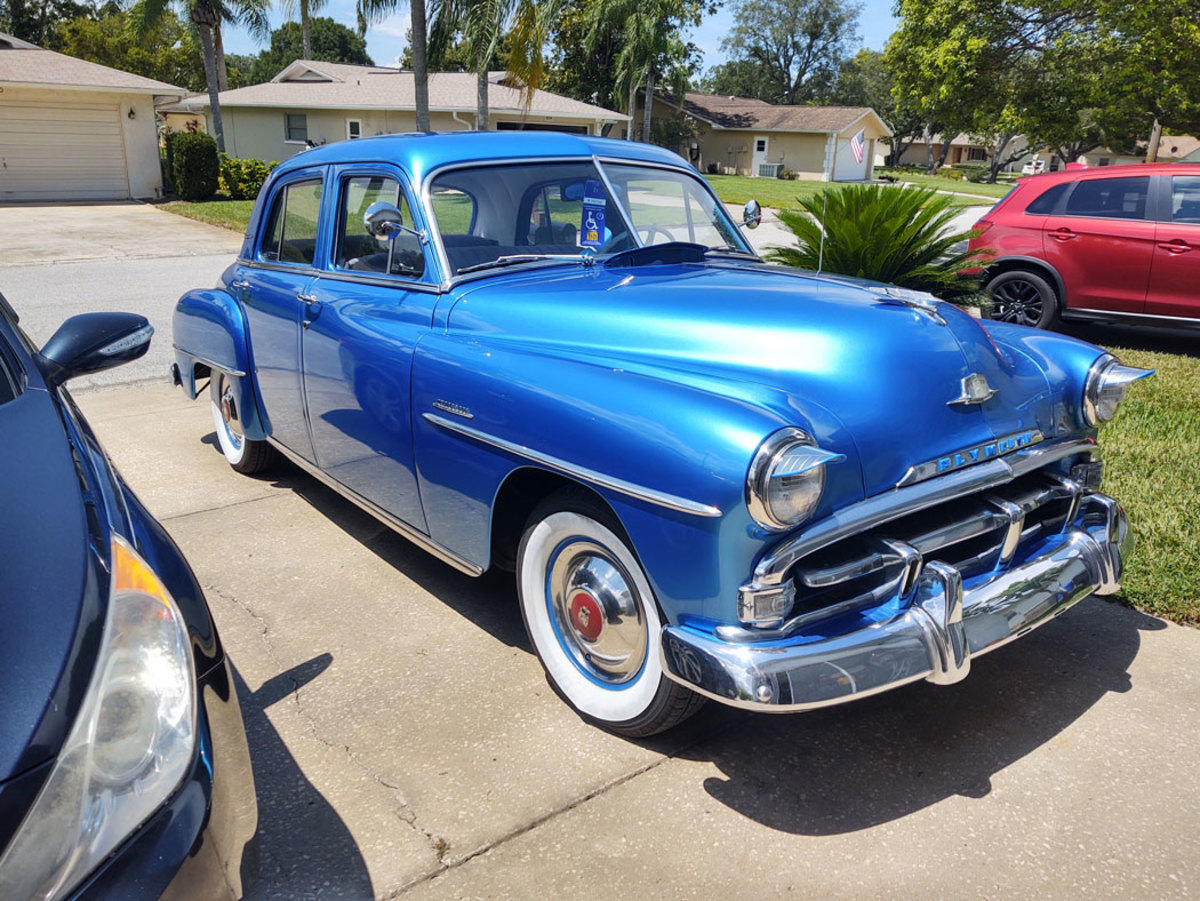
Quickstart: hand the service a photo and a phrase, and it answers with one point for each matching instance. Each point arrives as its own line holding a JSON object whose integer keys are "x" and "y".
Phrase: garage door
{"x": 847, "y": 168}
{"x": 61, "y": 152}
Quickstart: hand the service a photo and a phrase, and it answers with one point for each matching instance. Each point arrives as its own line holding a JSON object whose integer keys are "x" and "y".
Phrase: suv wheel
{"x": 1024, "y": 298}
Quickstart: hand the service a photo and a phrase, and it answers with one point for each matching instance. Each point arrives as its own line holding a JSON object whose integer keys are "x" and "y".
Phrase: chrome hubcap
{"x": 228, "y": 407}
{"x": 598, "y": 613}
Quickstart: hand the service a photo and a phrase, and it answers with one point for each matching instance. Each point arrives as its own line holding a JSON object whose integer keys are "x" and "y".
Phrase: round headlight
{"x": 786, "y": 479}
{"x": 1105, "y": 388}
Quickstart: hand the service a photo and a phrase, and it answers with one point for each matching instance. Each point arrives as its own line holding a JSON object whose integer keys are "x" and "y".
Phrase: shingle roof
{"x": 25, "y": 63}
{"x": 311, "y": 84}
{"x": 746, "y": 112}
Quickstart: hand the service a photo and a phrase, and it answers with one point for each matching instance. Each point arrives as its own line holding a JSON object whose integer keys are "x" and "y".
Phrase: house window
{"x": 1104, "y": 161}
{"x": 977, "y": 155}
{"x": 760, "y": 145}
{"x": 295, "y": 127}
{"x": 353, "y": 129}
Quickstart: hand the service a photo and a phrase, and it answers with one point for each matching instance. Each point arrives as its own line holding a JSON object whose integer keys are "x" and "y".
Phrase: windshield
{"x": 499, "y": 215}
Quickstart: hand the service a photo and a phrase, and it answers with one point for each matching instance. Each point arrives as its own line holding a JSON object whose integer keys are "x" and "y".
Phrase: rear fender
{"x": 210, "y": 332}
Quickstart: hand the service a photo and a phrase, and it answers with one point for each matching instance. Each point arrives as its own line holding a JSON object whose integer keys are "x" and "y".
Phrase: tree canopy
{"x": 331, "y": 42}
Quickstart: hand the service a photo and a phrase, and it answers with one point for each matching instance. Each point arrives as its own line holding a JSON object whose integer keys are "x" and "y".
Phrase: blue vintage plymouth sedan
{"x": 713, "y": 478}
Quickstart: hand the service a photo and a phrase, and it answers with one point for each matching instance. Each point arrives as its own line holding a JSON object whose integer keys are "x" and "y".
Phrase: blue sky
{"x": 387, "y": 40}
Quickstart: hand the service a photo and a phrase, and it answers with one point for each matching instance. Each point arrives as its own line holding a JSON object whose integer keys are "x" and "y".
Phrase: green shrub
{"x": 786, "y": 174}
{"x": 195, "y": 173}
{"x": 887, "y": 234}
{"x": 243, "y": 179}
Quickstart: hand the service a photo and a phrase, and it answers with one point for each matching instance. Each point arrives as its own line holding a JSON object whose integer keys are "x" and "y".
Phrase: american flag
{"x": 858, "y": 145}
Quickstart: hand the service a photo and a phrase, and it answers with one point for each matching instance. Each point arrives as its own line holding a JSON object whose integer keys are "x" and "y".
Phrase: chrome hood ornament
{"x": 921, "y": 301}
{"x": 975, "y": 390}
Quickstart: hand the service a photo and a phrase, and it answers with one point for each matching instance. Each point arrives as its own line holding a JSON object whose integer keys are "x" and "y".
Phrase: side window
{"x": 1048, "y": 201}
{"x": 361, "y": 251}
{"x": 291, "y": 236}
{"x": 1185, "y": 199}
{"x": 1110, "y": 198}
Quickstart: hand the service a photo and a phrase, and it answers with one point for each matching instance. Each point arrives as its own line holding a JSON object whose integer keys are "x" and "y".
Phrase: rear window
{"x": 1185, "y": 199}
{"x": 1048, "y": 200}
{"x": 1110, "y": 198}
{"x": 292, "y": 235}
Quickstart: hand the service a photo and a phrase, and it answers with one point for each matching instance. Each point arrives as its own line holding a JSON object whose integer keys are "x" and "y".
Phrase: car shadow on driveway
{"x": 294, "y": 818}
{"x": 846, "y": 768}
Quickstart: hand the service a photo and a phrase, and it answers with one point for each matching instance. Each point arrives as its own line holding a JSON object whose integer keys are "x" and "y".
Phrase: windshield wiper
{"x": 515, "y": 258}
{"x": 729, "y": 248}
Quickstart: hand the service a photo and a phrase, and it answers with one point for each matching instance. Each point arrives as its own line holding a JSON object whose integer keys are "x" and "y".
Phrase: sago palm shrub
{"x": 896, "y": 235}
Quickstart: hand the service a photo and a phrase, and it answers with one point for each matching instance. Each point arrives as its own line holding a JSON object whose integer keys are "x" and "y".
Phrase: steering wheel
{"x": 646, "y": 232}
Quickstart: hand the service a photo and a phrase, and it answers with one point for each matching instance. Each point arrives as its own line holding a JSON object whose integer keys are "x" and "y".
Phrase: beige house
{"x": 74, "y": 130}
{"x": 964, "y": 148}
{"x": 741, "y": 136}
{"x": 312, "y": 103}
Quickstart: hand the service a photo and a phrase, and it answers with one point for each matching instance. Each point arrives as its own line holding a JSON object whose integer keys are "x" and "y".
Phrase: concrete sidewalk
{"x": 406, "y": 743}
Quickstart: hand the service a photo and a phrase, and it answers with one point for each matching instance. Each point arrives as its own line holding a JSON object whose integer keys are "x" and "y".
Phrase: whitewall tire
{"x": 244, "y": 455}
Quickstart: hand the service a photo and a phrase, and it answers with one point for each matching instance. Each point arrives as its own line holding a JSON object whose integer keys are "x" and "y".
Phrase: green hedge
{"x": 243, "y": 179}
{"x": 195, "y": 172}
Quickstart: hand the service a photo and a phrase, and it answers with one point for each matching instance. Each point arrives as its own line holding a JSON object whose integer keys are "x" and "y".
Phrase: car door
{"x": 373, "y": 303}
{"x": 1101, "y": 243}
{"x": 1175, "y": 274}
{"x": 274, "y": 291}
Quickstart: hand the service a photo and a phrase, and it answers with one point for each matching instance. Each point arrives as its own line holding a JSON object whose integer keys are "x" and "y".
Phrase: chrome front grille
{"x": 977, "y": 534}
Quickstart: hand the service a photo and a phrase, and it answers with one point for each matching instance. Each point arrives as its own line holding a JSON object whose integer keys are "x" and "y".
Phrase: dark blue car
{"x": 714, "y": 478}
{"x": 124, "y": 769}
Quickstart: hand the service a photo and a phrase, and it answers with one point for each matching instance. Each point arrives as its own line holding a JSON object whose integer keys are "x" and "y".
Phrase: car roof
{"x": 1046, "y": 178}
{"x": 420, "y": 153}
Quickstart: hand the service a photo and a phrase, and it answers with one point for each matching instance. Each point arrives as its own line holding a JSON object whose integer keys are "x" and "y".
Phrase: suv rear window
{"x": 1110, "y": 198}
{"x": 1048, "y": 200}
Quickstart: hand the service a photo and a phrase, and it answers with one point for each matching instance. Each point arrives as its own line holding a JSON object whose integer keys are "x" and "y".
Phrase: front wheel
{"x": 244, "y": 454}
{"x": 593, "y": 621}
{"x": 1024, "y": 298}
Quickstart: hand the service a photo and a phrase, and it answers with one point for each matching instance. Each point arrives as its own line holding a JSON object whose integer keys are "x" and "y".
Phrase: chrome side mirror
{"x": 383, "y": 219}
{"x": 751, "y": 214}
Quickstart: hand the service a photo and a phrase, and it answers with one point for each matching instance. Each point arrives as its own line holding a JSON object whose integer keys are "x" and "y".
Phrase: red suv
{"x": 1114, "y": 244}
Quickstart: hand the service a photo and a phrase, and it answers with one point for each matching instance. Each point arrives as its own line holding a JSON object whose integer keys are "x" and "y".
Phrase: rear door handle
{"x": 312, "y": 308}
{"x": 1062, "y": 234}
{"x": 1176, "y": 247}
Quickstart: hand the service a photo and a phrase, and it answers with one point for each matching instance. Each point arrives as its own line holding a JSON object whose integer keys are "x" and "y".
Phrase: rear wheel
{"x": 593, "y": 620}
{"x": 245, "y": 455}
{"x": 1024, "y": 298}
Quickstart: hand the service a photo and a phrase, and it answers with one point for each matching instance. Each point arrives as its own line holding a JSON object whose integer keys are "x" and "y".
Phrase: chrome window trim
{"x": 650, "y": 495}
{"x": 874, "y": 511}
{"x": 416, "y": 537}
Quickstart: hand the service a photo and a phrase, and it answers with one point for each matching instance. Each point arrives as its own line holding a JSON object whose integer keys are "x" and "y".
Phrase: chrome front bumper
{"x": 934, "y": 638}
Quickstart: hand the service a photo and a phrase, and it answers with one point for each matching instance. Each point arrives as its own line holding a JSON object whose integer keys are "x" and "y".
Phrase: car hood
{"x": 44, "y": 566}
{"x": 887, "y": 370}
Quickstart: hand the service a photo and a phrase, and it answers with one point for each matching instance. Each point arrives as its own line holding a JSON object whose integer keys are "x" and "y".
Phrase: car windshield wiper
{"x": 729, "y": 248}
{"x": 515, "y": 258}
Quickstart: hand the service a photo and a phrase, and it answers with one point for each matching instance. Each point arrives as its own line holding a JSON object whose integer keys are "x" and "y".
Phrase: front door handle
{"x": 1062, "y": 234}
{"x": 312, "y": 308}
{"x": 241, "y": 285}
{"x": 1175, "y": 247}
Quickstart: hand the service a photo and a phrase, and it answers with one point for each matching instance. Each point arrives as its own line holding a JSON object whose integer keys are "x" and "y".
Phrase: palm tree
{"x": 307, "y": 8}
{"x": 483, "y": 25}
{"x": 650, "y": 48}
{"x": 373, "y": 11}
{"x": 206, "y": 16}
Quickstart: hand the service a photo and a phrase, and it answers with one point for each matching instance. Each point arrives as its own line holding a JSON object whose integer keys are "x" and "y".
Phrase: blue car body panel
{"x": 429, "y": 398}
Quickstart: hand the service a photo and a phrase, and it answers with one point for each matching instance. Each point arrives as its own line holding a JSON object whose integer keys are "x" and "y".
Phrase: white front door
{"x": 760, "y": 154}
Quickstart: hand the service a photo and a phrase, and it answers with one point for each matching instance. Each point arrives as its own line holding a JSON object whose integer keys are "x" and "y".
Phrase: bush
{"x": 894, "y": 235}
{"x": 243, "y": 179}
{"x": 195, "y": 172}
{"x": 713, "y": 169}
{"x": 786, "y": 174}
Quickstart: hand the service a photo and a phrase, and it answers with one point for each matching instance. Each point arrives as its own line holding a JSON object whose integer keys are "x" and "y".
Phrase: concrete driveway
{"x": 406, "y": 743}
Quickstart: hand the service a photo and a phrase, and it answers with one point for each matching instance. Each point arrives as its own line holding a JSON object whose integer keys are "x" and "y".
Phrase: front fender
{"x": 209, "y": 329}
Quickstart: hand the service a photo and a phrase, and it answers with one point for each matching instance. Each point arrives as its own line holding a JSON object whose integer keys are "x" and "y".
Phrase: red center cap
{"x": 586, "y": 616}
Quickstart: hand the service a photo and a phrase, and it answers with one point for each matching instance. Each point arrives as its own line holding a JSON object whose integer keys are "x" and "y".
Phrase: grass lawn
{"x": 1148, "y": 464}
{"x": 780, "y": 194}
{"x": 233, "y": 214}
{"x": 1151, "y": 469}
{"x": 987, "y": 193}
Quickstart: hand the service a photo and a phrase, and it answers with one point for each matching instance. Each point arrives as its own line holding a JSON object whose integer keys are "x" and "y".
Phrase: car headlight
{"x": 786, "y": 479}
{"x": 1107, "y": 382}
{"x": 129, "y": 748}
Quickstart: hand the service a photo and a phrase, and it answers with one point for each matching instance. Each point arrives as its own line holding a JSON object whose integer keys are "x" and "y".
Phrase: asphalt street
{"x": 406, "y": 743}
